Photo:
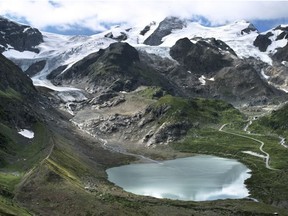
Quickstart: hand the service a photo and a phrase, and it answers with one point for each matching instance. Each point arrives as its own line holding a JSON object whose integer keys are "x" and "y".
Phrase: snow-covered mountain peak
{"x": 157, "y": 38}
{"x": 18, "y": 37}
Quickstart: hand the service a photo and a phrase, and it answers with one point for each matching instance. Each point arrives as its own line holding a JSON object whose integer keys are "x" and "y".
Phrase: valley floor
{"x": 70, "y": 177}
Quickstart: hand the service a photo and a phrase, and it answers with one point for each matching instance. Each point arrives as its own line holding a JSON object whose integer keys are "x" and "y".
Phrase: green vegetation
{"x": 10, "y": 208}
{"x": 276, "y": 122}
{"x": 265, "y": 185}
{"x": 203, "y": 111}
{"x": 18, "y": 156}
{"x": 151, "y": 92}
{"x": 10, "y": 93}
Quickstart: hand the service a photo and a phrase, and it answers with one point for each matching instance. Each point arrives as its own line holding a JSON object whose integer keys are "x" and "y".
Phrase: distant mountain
{"x": 165, "y": 28}
{"x": 97, "y": 101}
{"x": 18, "y": 37}
{"x": 208, "y": 51}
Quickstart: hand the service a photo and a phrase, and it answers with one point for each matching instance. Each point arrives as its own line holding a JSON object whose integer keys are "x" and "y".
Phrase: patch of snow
{"x": 12, "y": 53}
{"x": 59, "y": 50}
{"x": 202, "y": 79}
{"x": 9, "y": 46}
{"x": 71, "y": 96}
{"x": 189, "y": 72}
{"x": 285, "y": 63}
{"x": 254, "y": 154}
{"x": 272, "y": 48}
{"x": 68, "y": 108}
{"x": 211, "y": 79}
{"x": 47, "y": 84}
{"x": 230, "y": 34}
{"x": 264, "y": 75}
{"x": 26, "y": 133}
{"x": 26, "y": 29}
{"x": 161, "y": 51}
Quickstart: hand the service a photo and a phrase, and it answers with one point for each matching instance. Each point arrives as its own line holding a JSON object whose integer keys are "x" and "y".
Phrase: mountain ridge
{"x": 108, "y": 99}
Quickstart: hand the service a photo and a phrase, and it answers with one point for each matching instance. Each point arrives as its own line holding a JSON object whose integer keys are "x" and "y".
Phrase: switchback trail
{"x": 267, "y": 156}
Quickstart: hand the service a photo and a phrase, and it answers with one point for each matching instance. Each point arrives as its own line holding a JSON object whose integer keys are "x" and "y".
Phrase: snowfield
{"x": 59, "y": 50}
{"x": 26, "y": 133}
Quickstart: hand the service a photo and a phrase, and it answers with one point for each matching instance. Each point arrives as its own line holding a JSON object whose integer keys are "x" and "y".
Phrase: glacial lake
{"x": 196, "y": 178}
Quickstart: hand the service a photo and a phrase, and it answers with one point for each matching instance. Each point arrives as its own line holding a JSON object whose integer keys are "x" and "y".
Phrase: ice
{"x": 26, "y": 133}
{"x": 47, "y": 84}
{"x": 242, "y": 44}
{"x": 59, "y": 50}
{"x": 11, "y": 53}
{"x": 264, "y": 75}
{"x": 26, "y": 29}
{"x": 202, "y": 79}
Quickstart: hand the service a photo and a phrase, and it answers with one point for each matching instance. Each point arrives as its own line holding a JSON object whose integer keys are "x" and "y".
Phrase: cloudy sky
{"x": 90, "y": 16}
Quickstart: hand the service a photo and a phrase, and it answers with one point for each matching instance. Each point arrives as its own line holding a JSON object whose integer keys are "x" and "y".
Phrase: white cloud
{"x": 93, "y": 13}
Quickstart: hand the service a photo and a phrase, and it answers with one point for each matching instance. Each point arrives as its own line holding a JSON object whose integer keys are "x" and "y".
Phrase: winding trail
{"x": 46, "y": 158}
{"x": 267, "y": 156}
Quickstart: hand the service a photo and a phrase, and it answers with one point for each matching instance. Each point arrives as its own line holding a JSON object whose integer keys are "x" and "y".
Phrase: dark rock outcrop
{"x": 56, "y": 72}
{"x": 281, "y": 54}
{"x": 11, "y": 77}
{"x": 170, "y": 132}
{"x": 17, "y": 94}
{"x": 20, "y": 37}
{"x": 121, "y": 37}
{"x": 35, "y": 68}
{"x": 249, "y": 29}
{"x": 147, "y": 28}
{"x": 165, "y": 28}
{"x": 117, "y": 68}
{"x": 243, "y": 83}
{"x": 202, "y": 57}
{"x": 284, "y": 34}
{"x": 263, "y": 41}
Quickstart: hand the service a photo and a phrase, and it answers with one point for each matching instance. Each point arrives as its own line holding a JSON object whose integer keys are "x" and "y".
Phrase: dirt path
{"x": 267, "y": 156}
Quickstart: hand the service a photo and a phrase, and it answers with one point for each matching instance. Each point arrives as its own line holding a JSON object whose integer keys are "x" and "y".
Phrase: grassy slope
{"x": 202, "y": 111}
{"x": 265, "y": 185}
{"x": 56, "y": 185}
{"x": 276, "y": 122}
{"x": 22, "y": 156}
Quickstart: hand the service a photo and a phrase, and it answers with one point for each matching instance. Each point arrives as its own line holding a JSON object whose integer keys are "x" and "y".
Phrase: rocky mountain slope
{"x": 17, "y": 95}
{"x": 150, "y": 90}
{"x": 239, "y": 38}
{"x": 18, "y": 37}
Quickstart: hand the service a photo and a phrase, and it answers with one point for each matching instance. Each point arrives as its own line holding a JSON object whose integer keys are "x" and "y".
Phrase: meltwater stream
{"x": 197, "y": 178}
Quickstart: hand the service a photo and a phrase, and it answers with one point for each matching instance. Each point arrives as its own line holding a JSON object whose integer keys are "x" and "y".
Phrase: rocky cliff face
{"x": 202, "y": 57}
{"x": 17, "y": 95}
{"x": 262, "y": 41}
{"x": 117, "y": 68}
{"x": 165, "y": 28}
{"x": 19, "y": 37}
{"x": 281, "y": 54}
{"x": 207, "y": 68}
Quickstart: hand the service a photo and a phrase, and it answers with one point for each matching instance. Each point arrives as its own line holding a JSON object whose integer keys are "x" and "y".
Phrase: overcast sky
{"x": 90, "y": 16}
